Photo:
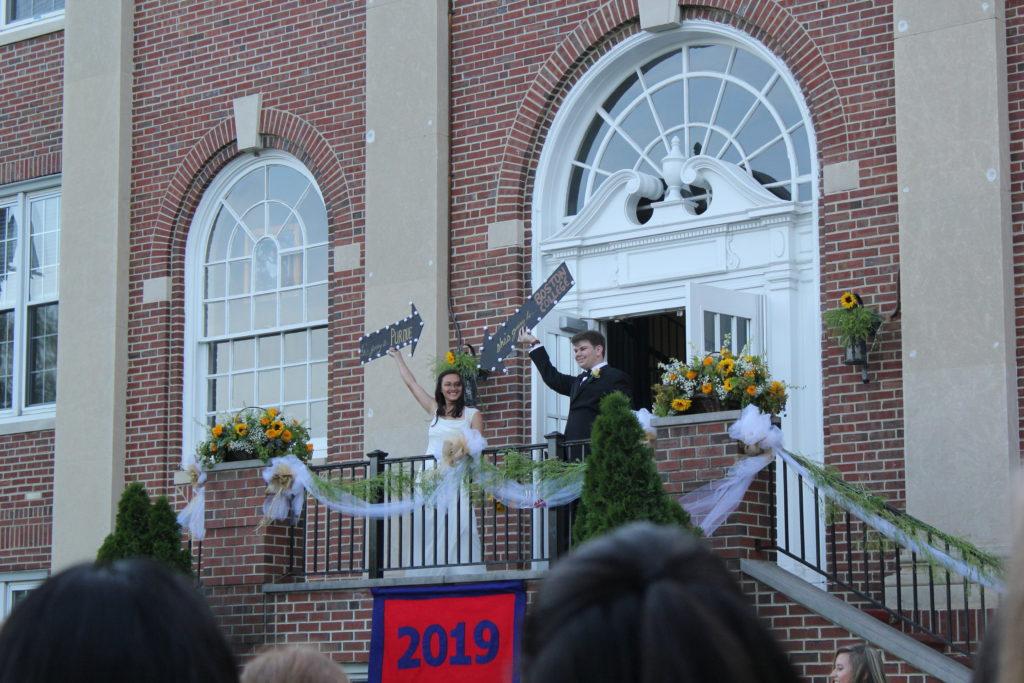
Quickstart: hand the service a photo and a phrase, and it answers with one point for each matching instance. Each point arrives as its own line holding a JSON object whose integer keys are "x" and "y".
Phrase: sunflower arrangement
{"x": 254, "y": 433}
{"x": 722, "y": 380}
{"x": 462, "y": 362}
{"x": 852, "y": 321}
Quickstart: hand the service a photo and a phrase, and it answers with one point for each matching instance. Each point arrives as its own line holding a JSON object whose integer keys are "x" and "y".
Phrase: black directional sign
{"x": 497, "y": 347}
{"x": 405, "y": 332}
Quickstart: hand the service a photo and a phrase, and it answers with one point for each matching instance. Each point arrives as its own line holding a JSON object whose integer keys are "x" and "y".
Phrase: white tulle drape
{"x": 711, "y": 504}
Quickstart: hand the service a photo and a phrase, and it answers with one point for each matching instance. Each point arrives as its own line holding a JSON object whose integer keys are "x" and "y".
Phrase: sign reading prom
{"x": 405, "y": 332}
{"x": 446, "y": 634}
{"x": 497, "y": 347}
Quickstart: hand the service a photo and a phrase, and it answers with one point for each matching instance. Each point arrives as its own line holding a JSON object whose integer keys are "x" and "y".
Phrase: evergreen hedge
{"x": 621, "y": 483}
{"x": 145, "y": 529}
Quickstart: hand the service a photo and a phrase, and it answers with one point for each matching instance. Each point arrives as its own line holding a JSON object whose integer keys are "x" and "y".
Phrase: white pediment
{"x": 610, "y": 215}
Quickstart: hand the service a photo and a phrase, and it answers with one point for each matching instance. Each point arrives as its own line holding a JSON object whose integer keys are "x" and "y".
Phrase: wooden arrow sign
{"x": 498, "y": 347}
{"x": 405, "y": 332}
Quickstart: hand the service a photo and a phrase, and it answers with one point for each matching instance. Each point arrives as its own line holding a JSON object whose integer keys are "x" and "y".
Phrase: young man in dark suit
{"x": 585, "y": 390}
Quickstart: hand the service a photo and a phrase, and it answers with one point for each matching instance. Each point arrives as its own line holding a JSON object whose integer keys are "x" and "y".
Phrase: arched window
{"x": 718, "y": 97}
{"x": 257, "y": 281}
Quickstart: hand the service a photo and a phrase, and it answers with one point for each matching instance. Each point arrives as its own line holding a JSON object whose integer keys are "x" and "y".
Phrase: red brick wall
{"x": 191, "y": 60}
{"x": 26, "y": 461}
{"x": 1015, "y": 93}
{"x": 31, "y": 104}
{"x": 513, "y": 63}
{"x": 30, "y": 140}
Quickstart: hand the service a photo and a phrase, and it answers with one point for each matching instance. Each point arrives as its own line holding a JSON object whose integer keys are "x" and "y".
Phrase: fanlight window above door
{"x": 720, "y": 100}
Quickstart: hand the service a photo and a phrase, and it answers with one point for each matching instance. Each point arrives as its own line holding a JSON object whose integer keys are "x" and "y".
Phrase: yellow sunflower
{"x": 848, "y": 300}
{"x": 726, "y": 366}
{"x": 449, "y": 358}
{"x": 241, "y": 429}
{"x": 681, "y": 405}
{"x": 776, "y": 388}
{"x": 727, "y": 384}
{"x": 217, "y": 431}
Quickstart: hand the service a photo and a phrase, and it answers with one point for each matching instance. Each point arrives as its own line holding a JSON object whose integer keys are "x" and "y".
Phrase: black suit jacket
{"x": 585, "y": 398}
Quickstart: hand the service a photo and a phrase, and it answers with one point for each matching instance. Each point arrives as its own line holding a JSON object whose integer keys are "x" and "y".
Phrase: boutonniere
{"x": 596, "y": 373}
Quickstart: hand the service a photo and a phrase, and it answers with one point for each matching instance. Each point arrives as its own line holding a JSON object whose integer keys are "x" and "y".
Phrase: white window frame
{"x": 20, "y": 195}
{"x": 47, "y": 19}
{"x": 194, "y": 399}
{"x": 17, "y": 581}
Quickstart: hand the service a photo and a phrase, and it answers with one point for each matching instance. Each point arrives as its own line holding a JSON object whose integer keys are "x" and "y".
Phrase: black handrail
{"x": 858, "y": 561}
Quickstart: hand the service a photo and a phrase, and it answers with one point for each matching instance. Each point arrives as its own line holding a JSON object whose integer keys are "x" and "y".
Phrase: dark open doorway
{"x": 636, "y": 345}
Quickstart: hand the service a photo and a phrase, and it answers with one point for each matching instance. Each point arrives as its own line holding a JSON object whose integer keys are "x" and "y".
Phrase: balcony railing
{"x": 476, "y": 534}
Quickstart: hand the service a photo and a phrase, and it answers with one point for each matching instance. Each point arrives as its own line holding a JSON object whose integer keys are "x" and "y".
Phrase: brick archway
{"x": 163, "y": 254}
{"x": 616, "y": 20}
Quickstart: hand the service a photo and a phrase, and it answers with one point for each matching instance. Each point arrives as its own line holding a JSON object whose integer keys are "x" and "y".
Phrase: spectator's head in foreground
{"x": 130, "y": 620}
{"x": 646, "y": 604}
{"x": 293, "y": 665}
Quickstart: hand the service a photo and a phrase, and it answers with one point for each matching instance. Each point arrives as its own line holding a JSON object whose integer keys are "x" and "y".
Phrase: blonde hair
{"x": 293, "y": 665}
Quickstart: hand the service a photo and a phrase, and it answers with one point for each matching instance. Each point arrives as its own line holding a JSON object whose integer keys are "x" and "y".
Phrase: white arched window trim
{"x": 193, "y": 401}
{"x": 754, "y": 247}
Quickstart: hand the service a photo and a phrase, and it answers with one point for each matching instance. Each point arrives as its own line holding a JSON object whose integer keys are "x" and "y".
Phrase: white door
{"x": 718, "y": 317}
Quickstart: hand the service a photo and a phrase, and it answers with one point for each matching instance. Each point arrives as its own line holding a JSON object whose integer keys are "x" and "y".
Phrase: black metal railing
{"x": 475, "y": 533}
{"x": 820, "y": 537}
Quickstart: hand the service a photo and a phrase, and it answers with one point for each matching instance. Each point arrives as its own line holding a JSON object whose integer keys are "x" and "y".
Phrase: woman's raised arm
{"x": 418, "y": 392}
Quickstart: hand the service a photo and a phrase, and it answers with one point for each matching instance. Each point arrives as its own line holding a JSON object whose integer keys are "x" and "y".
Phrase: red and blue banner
{"x": 447, "y": 634}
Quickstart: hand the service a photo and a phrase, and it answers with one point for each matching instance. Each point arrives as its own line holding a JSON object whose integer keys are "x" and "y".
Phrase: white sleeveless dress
{"x": 456, "y": 523}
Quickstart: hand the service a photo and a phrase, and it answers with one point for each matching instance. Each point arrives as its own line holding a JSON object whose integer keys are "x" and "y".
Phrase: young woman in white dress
{"x": 449, "y": 416}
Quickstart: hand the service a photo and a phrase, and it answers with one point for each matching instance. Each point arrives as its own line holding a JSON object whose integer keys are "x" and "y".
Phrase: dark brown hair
{"x": 593, "y": 336}
{"x": 439, "y": 399}
{"x": 646, "y": 604}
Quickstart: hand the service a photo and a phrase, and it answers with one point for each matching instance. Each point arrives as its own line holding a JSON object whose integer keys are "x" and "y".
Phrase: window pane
{"x": 295, "y": 383}
{"x": 238, "y": 315}
{"x": 41, "y": 364}
{"x": 708, "y": 58}
{"x": 316, "y": 264}
{"x": 215, "y": 319}
{"x": 291, "y": 306}
{"x": 18, "y": 10}
{"x": 217, "y": 250}
{"x": 295, "y": 347}
{"x": 242, "y": 389}
{"x": 316, "y": 303}
{"x": 270, "y": 388}
{"x": 44, "y": 248}
{"x": 318, "y": 344}
{"x": 265, "y": 313}
{"x": 318, "y": 419}
{"x": 8, "y": 255}
{"x": 709, "y": 331}
{"x": 318, "y": 380}
{"x": 291, "y": 269}
{"x": 247, "y": 191}
{"x": 219, "y": 357}
{"x": 751, "y": 69}
{"x": 287, "y": 184}
{"x": 6, "y": 359}
{"x": 241, "y": 245}
{"x": 264, "y": 259}
{"x": 243, "y": 354}
{"x": 215, "y": 276}
{"x": 256, "y": 220}
{"x": 239, "y": 277}
{"x": 270, "y": 351}
{"x": 314, "y": 217}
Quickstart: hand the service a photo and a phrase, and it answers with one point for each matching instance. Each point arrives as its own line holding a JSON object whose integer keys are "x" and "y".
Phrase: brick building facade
{"x": 426, "y": 141}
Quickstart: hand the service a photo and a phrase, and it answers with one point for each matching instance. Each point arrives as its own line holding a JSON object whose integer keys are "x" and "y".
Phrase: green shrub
{"x": 145, "y": 529}
{"x": 621, "y": 483}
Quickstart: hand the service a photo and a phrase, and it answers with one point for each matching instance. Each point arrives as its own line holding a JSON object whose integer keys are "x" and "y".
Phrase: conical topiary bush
{"x": 144, "y": 529}
{"x": 621, "y": 483}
